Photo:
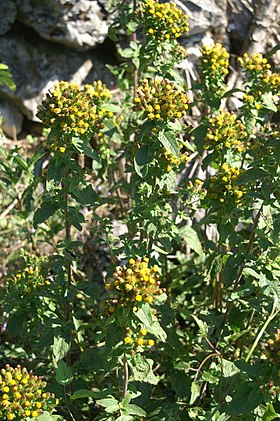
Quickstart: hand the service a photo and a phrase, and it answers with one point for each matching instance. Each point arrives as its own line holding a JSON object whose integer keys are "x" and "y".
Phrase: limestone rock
{"x": 8, "y": 12}
{"x": 80, "y": 24}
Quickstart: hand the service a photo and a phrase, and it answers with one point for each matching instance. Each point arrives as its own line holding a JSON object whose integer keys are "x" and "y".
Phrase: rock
{"x": 204, "y": 14}
{"x": 80, "y": 24}
{"x": 36, "y": 66}
{"x": 240, "y": 18}
{"x": 8, "y": 12}
{"x": 12, "y": 119}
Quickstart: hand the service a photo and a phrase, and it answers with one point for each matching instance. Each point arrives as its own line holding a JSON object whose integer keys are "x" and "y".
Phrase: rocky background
{"x": 44, "y": 41}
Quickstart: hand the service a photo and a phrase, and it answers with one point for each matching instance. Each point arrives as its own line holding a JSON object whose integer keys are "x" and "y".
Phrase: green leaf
{"x": 112, "y": 33}
{"x": 268, "y": 102}
{"x": 253, "y": 174}
{"x": 270, "y": 413}
{"x": 86, "y": 196}
{"x": 141, "y": 160}
{"x": 63, "y": 373}
{"x": 135, "y": 410}
{"x": 157, "y": 331}
{"x": 111, "y": 405}
{"x": 181, "y": 384}
{"x": 22, "y": 163}
{"x": 132, "y": 26}
{"x": 85, "y": 393}
{"x": 46, "y": 210}
{"x": 144, "y": 315}
{"x": 191, "y": 238}
{"x": 84, "y": 148}
{"x": 202, "y": 325}
{"x": 195, "y": 392}
{"x": 142, "y": 369}
{"x": 199, "y": 134}
{"x": 247, "y": 397}
{"x": 60, "y": 348}
{"x": 229, "y": 369}
{"x": 46, "y": 416}
{"x": 169, "y": 141}
{"x": 112, "y": 107}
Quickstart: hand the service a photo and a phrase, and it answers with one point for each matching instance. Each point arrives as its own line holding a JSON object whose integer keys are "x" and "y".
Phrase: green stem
{"x": 126, "y": 377}
{"x": 273, "y": 313}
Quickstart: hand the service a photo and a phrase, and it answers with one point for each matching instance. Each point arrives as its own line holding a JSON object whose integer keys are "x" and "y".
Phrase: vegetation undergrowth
{"x": 140, "y": 259}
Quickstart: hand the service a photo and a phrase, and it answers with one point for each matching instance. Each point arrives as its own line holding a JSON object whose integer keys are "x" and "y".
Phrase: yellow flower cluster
{"x": 272, "y": 81}
{"x": 272, "y": 347}
{"x": 214, "y": 67}
{"x": 225, "y": 132}
{"x": 255, "y": 63}
{"x": 262, "y": 80}
{"x": 222, "y": 186}
{"x": 73, "y": 111}
{"x": 171, "y": 160}
{"x": 98, "y": 90}
{"x": 137, "y": 339}
{"x": 22, "y": 395}
{"x": 133, "y": 284}
{"x": 164, "y": 21}
{"x": 215, "y": 59}
{"x": 161, "y": 100}
{"x": 29, "y": 279}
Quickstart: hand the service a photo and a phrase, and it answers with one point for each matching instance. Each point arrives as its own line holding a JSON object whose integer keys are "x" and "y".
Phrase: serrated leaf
{"x": 63, "y": 373}
{"x": 60, "y": 348}
{"x": 191, "y": 238}
{"x": 170, "y": 142}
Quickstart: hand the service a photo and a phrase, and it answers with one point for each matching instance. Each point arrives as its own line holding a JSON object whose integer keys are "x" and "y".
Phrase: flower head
{"x": 214, "y": 67}
{"x": 225, "y": 132}
{"x": 73, "y": 111}
{"x": 164, "y": 21}
{"x": 255, "y": 64}
{"x": 22, "y": 394}
{"x": 222, "y": 187}
{"x": 161, "y": 100}
{"x": 262, "y": 82}
{"x": 133, "y": 284}
{"x": 137, "y": 339}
